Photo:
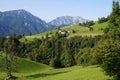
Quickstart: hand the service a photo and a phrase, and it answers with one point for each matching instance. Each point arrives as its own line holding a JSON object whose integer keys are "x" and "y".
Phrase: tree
{"x": 67, "y": 59}
{"x": 108, "y": 56}
{"x": 114, "y": 22}
{"x": 102, "y": 19}
{"x": 2, "y": 39}
{"x": 83, "y": 57}
{"x": 11, "y": 47}
{"x": 114, "y": 18}
{"x": 87, "y": 24}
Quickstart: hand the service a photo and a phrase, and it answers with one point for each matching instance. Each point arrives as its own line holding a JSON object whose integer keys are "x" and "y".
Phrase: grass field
{"x": 100, "y": 26}
{"x": 30, "y": 70}
{"x": 71, "y": 73}
{"x": 26, "y": 69}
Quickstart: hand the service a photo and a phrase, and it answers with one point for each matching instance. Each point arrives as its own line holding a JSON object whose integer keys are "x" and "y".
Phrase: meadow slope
{"x": 23, "y": 67}
{"x": 79, "y": 31}
{"x": 30, "y": 70}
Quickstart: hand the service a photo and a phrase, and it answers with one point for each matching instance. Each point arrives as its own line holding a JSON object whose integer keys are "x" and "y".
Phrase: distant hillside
{"x": 79, "y": 31}
{"x": 67, "y": 20}
{"x": 20, "y": 22}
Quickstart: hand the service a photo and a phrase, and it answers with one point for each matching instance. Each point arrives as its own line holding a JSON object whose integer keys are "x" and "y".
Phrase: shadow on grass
{"x": 110, "y": 79}
{"x": 45, "y": 74}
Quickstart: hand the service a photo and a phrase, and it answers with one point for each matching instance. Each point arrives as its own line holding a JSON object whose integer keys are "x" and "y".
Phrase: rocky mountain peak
{"x": 67, "y": 20}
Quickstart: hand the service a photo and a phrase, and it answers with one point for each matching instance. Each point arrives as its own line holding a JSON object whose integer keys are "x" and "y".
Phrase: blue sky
{"x": 50, "y": 9}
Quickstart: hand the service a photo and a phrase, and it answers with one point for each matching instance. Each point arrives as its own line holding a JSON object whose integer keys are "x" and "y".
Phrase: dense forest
{"x": 59, "y": 51}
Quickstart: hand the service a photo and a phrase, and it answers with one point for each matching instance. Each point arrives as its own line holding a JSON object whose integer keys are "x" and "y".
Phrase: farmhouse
{"x": 62, "y": 32}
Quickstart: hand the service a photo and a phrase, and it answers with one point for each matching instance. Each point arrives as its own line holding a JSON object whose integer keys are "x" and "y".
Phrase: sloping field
{"x": 71, "y": 73}
{"x": 23, "y": 67}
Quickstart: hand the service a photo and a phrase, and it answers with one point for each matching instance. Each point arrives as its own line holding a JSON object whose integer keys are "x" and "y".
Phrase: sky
{"x": 50, "y": 9}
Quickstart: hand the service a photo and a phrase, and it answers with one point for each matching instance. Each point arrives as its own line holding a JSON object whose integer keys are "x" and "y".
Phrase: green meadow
{"x": 26, "y": 69}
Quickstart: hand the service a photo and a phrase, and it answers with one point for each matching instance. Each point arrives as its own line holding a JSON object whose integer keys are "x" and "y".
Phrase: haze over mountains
{"x": 23, "y": 22}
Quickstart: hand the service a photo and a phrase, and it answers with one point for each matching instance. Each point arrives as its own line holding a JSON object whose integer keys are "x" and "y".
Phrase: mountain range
{"x": 67, "y": 20}
{"x": 23, "y": 22}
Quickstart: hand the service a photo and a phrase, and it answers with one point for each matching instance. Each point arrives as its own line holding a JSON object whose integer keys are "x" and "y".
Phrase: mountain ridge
{"x": 20, "y": 22}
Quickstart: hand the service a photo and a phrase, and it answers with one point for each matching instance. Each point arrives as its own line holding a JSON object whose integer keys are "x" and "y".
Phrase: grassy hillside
{"x": 79, "y": 31}
{"x": 30, "y": 70}
{"x": 83, "y": 31}
{"x": 71, "y": 73}
{"x": 23, "y": 66}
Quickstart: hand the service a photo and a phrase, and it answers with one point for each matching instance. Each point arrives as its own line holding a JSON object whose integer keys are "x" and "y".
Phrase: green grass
{"x": 100, "y": 26}
{"x": 27, "y": 66}
{"x": 71, "y": 73}
{"x": 23, "y": 67}
{"x": 30, "y": 70}
{"x": 86, "y": 33}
